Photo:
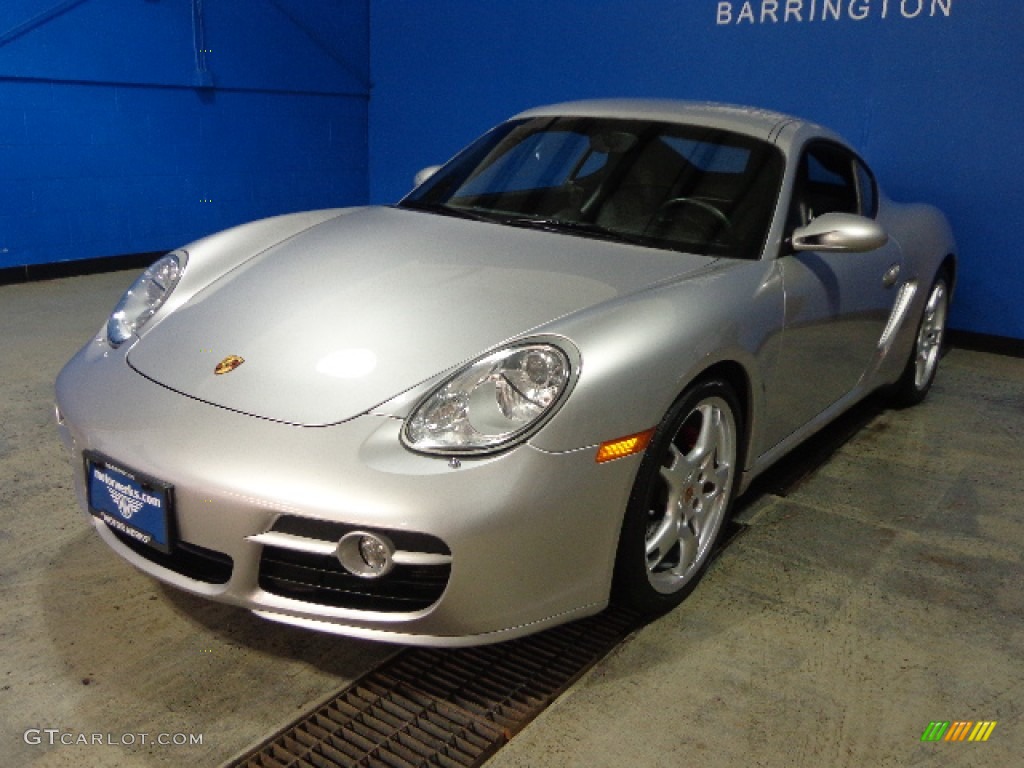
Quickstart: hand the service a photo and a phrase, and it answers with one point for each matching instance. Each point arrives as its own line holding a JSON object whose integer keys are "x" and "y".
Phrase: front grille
{"x": 321, "y": 579}
{"x": 189, "y": 560}
{"x": 324, "y": 530}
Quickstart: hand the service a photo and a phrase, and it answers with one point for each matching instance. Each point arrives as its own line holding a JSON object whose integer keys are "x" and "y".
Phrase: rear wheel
{"x": 680, "y": 500}
{"x": 920, "y": 371}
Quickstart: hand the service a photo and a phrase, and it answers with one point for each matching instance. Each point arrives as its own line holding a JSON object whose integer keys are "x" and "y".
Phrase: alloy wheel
{"x": 696, "y": 476}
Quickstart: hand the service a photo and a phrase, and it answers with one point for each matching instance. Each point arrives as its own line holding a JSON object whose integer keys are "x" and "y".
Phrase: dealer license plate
{"x": 131, "y": 503}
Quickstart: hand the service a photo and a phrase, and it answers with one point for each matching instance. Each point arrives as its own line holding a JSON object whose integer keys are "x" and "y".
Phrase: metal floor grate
{"x": 440, "y": 708}
{"x": 446, "y": 708}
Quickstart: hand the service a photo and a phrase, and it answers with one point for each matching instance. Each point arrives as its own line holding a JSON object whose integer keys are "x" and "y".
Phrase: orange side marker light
{"x": 622, "y": 447}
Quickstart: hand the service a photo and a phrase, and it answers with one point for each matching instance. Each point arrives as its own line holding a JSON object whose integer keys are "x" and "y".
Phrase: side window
{"x": 826, "y": 183}
{"x": 868, "y": 191}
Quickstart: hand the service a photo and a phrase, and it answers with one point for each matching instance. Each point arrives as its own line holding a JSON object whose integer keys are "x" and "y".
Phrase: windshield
{"x": 663, "y": 185}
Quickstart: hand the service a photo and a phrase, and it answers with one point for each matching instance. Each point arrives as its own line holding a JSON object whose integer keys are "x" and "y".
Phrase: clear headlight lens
{"x": 143, "y": 299}
{"x": 492, "y": 402}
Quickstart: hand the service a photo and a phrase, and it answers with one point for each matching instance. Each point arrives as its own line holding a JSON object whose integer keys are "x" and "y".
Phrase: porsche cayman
{"x": 533, "y": 386}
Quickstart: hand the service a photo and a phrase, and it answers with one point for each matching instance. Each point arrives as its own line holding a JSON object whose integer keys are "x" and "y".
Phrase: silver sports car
{"x": 533, "y": 386}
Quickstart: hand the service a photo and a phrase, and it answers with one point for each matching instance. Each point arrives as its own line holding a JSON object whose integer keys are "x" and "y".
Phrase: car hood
{"x": 362, "y": 307}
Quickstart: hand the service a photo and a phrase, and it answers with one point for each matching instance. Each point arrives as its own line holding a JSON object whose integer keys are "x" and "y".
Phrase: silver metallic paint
{"x": 358, "y": 279}
{"x": 533, "y": 530}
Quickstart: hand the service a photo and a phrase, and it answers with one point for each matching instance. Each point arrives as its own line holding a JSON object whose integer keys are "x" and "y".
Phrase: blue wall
{"x": 108, "y": 145}
{"x": 110, "y": 141}
{"x": 929, "y": 90}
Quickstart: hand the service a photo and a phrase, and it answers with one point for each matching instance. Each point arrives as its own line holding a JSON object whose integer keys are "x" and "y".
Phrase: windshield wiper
{"x": 576, "y": 227}
{"x": 448, "y": 210}
{"x": 547, "y": 224}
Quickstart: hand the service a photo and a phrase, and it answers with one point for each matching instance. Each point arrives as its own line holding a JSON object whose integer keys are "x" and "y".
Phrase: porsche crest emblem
{"x": 228, "y": 364}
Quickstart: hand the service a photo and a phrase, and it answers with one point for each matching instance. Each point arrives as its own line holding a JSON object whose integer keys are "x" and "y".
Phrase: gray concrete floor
{"x": 883, "y": 593}
{"x": 89, "y": 645}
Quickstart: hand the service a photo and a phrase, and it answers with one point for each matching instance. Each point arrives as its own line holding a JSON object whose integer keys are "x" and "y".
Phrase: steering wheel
{"x": 709, "y": 222}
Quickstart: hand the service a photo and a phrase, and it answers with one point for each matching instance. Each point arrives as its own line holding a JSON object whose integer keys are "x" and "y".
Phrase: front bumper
{"x": 505, "y": 545}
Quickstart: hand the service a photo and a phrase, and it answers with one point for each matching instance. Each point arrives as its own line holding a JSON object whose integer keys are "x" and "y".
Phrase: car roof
{"x": 754, "y": 121}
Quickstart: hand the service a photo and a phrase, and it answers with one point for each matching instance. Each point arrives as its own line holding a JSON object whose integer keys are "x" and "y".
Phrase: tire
{"x": 680, "y": 500}
{"x": 923, "y": 363}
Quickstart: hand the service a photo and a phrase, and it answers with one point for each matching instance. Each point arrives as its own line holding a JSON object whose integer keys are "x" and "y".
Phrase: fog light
{"x": 374, "y": 553}
{"x": 367, "y": 555}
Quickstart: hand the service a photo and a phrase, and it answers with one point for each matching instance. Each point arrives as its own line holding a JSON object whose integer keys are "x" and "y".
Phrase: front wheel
{"x": 920, "y": 371}
{"x": 680, "y": 500}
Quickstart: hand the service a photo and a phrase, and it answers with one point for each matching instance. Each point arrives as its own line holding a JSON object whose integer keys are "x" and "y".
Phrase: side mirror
{"x": 840, "y": 233}
{"x": 425, "y": 174}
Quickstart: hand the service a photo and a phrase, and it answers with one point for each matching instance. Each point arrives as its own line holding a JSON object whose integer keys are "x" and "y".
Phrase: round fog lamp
{"x": 365, "y": 554}
{"x": 374, "y": 553}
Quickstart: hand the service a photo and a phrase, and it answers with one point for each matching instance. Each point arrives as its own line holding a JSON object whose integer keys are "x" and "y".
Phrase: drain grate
{"x": 446, "y": 708}
{"x": 440, "y": 708}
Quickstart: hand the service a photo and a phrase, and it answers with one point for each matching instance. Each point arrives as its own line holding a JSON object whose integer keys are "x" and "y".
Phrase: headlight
{"x": 492, "y": 402}
{"x": 143, "y": 299}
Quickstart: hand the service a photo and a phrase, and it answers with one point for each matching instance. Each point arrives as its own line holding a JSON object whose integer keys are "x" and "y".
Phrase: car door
{"x": 836, "y": 304}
